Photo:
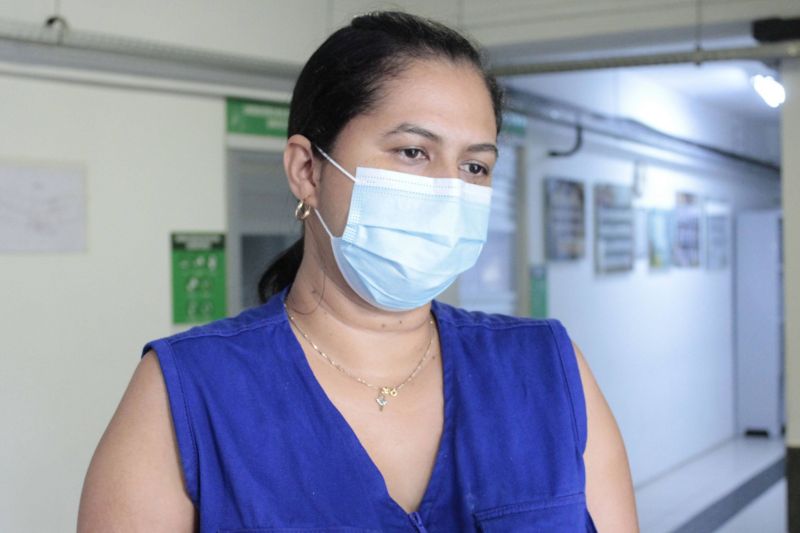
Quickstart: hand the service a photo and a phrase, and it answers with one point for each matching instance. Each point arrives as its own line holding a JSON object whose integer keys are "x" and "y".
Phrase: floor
{"x": 767, "y": 514}
{"x": 725, "y": 490}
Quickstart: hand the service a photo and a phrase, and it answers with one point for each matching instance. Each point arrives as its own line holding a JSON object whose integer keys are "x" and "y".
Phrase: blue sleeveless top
{"x": 263, "y": 448}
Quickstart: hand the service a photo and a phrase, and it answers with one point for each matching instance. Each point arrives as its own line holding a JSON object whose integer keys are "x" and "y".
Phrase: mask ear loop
{"x": 324, "y": 225}
{"x": 343, "y": 171}
{"x": 334, "y": 163}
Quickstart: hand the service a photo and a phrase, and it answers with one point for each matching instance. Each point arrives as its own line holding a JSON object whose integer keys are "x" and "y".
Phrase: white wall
{"x": 660, "y": 344}
{"x": 73, "y": 324}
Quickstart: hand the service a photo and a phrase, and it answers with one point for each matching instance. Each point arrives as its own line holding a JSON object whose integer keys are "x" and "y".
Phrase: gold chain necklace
{"x": 384, "y": 392}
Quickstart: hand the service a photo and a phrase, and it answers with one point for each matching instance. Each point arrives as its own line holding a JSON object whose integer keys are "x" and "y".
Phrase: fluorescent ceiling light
{"x": 769, "y": 90}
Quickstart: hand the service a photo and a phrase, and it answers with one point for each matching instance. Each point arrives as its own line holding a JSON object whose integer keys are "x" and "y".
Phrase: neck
{"x": 315, "y": 293}
{"x": 356, "y": 334}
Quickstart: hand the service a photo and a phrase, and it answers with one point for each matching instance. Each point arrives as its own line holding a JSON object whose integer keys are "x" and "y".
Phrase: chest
{"x": 284, "y": 448}
{"x": 402, "y": 440}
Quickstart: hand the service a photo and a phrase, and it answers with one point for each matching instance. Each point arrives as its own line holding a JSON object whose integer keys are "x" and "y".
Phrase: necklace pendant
{"x": 382, "y": 397}
{"x": 382, "y": 401}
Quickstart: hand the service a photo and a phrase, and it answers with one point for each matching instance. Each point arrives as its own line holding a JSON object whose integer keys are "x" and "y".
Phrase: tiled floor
{"x": 668, "y": 502}
{"x": 767, "y": 514}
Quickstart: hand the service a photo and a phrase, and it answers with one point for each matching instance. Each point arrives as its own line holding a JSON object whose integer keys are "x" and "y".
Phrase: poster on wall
{"x": 613, "y": 228}
{"x": 686, "y": 241}
{"x": 718, "y": 224}
{"x": 198, "y": 277}
{"x": 659, "y": 227}
{"x": 564, "y": 219}
{"x": 42, "y": 207}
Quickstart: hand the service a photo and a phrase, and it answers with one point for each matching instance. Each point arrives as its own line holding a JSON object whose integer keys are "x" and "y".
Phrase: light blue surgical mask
{"x": 408, "y": 237}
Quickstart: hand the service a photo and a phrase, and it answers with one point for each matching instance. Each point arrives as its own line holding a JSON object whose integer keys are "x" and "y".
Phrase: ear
{"x": 302, "y": 169}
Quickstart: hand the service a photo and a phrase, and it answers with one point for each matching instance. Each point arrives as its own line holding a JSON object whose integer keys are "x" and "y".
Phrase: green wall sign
{"x": 254, "y": 117}
{"x": 514, "y": 124}
{"x": 538, "y": 294}
{"x": 198, "y": 277}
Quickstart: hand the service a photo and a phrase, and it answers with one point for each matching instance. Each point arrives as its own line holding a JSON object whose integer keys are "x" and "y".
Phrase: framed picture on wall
{"x": 565, "y": 234}
{"x": 613, "y": 228}
{"x": 659, "y": 237}
{"x": 686, "y": 242}
{"x": 718, "y": 234}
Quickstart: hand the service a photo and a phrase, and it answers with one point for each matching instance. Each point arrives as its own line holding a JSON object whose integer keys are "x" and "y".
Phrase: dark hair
{"x": 342, "y": 80}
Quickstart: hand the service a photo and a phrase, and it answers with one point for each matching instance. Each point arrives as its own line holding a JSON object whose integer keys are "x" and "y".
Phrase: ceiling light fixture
{"x": 770, "y": 90}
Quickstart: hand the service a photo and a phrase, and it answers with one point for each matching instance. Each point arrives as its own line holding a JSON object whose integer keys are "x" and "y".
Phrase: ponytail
{"x": 281, "y": 272}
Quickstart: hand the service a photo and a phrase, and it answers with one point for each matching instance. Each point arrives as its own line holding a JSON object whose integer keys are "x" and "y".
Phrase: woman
{"x": 351, "y": 400}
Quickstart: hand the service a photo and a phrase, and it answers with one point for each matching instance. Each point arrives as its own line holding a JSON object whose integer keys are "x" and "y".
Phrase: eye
{"x": 476, "y": 169}
{"x": 411, "y": 153}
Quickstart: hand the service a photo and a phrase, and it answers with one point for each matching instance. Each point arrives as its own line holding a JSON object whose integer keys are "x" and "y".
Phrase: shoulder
{"x": 536, "y": 341}
{"x": 247, "y": 328}
{"x": 524, "y": 341}
{"x": 461, "y": 317}
{"x": 609, "y": 485}
{"x": 539, "y": 350}
{"x": 248, "y": 320}
{"x": 137, "y": 456}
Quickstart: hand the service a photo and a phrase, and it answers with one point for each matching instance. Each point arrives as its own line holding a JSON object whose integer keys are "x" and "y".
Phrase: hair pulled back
{"x": 343, "y": 78}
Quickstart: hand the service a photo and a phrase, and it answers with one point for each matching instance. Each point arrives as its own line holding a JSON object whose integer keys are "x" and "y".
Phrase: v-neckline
{"x": 373, "y": 475}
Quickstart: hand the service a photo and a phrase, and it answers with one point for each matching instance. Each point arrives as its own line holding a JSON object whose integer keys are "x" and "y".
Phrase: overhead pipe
{"x": 575, "y": 147}
{"x": 57, "y": 34}
{"x": 764, "y": 52}
{"x": 623, "y": 129}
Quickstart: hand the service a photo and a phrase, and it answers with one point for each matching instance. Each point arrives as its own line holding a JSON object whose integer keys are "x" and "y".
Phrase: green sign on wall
{"x": 514, "y": 124}
{"x": 538, "y": 289}
{"x": 198, "y": 277}
{"x": 254, "y": 117}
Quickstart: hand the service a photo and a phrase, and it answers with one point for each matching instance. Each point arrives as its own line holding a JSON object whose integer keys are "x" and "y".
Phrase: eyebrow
{"x": 406, "y": 127}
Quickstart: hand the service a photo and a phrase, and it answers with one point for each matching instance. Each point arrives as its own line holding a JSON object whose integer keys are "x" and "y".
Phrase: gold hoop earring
{"x": 302, "y": 210}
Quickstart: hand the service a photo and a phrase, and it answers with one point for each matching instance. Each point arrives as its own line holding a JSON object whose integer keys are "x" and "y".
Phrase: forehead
{"x": 451, "y": 98}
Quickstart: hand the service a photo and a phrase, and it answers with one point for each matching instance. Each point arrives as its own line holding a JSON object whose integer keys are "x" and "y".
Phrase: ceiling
{"x": 725, "y": 85}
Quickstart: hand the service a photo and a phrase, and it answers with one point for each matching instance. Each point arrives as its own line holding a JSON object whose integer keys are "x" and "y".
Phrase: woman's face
{"x": 436, "y": 119}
